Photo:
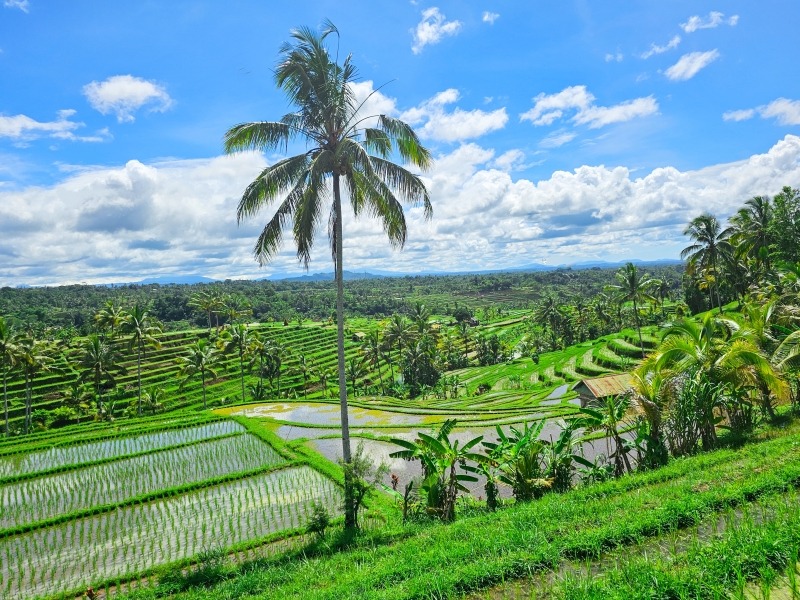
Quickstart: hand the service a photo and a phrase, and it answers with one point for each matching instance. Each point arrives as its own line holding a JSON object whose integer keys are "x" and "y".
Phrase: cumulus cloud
{"x": 655, "y": 49}
{"x": 22, "y": 5}
{"x": 123, "y": 95}
{"x": 490, "y": 17}
{"x": 690, "y": 65}
{"x": 23, "y": 129}
{"x": 548, "y": 108}
{"x": 432, "y": 28}
{"x": 783, "y": 110}
{"x": 714, "y": 19}
{"x": 178, "y": 217}
{"x": 433, "y": 121}
{"x": 618, "y": 57}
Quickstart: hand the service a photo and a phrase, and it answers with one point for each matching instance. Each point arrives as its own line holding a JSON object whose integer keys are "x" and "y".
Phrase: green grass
{"x": 444, "y": 561}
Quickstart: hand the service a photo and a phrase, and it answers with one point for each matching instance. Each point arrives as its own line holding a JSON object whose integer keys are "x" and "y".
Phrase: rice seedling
{"x": 60, "y": 457}
{"x": 34, "y": 500}
{"x": 119, "y": 544}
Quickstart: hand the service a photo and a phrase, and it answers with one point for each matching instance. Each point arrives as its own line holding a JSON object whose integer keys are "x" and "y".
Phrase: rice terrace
{"x": 502, "y": 413}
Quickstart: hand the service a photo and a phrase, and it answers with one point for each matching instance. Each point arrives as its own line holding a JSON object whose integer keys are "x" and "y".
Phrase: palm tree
{"x": 303, "y": 368}
{"x": 77, "y": 397}
{"x": 277, "y": 354}
{"x": 201, "y": 358}
{"x": 142, "y": 327}
{"x": 710, "y": 249}
{"x": 9, "y": 355}
{"x": 346, "y": 147}
{"x": 110, "y": 317}
{"x": 398, "y": 333}
{"x": 210, "y": 303}
{"x": 751, "y": 226}
{"x": 237, "y": 337}
{"x": 421, "y": 316}
{"x": 34, "y": 357}
{"x": 371, "y": 349}
{"x": 99, "y": 364}
{"x": 632, "y": 286}
{"x": 356, "y": 369}
{"x": 549, "y": 314}
{"x": 713, "y": 352}
{"x": 155, "y": 399}
{"x": 607, "y": 415}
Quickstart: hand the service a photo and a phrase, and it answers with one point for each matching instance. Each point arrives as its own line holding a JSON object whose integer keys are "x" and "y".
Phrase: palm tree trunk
{"x": 5, "y": 399}
{"x": 349, "y": 515}
{"x": 241, "y": 370}
{"x": 139, "y": 378}
{"x": 28, "y": 392}
{"x": 638, "y": 326}
{"x": 203, "y": 383}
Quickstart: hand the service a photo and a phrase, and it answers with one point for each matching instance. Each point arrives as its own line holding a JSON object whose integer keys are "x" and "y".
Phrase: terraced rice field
{"x": 121, "y": 507}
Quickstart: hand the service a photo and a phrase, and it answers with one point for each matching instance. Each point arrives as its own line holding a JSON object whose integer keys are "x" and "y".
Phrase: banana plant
{"x": 439, "y": 456}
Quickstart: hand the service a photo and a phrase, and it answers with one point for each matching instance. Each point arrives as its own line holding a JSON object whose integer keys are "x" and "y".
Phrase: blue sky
{"x": 563, "y": 131}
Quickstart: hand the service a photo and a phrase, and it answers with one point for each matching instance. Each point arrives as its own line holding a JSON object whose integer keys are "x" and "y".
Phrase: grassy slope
{"x": 442, "y": 561}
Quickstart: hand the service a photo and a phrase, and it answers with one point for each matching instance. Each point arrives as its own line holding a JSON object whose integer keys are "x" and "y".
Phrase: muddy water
{"x": 328, "y": 414}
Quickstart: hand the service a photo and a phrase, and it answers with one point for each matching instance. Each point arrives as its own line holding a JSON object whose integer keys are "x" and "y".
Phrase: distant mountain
{"x": 379, "y": 274}
{"x": 348, "y": 276}
{"x": 167, "y": 280}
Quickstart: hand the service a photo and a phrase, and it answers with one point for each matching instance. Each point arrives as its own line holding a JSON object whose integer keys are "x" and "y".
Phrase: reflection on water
{"x": 328, "y": 414}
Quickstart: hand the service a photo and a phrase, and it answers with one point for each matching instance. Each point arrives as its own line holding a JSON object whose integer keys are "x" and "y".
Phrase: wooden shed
{"x": 597, "y": 388}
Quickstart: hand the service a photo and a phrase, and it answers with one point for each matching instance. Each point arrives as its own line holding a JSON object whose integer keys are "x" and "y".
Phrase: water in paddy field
{"x": 328, "y": 414}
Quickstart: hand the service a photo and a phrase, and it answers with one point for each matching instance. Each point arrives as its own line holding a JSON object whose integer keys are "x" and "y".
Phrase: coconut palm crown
{"x": 347, "y": 152}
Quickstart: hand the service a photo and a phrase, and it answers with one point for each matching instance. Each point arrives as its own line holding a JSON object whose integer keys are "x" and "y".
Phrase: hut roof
{"x": 601, "y": 387}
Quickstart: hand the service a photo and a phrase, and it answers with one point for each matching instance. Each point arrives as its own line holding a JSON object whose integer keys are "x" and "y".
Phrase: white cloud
{"x": 557, "y": 139}
{"x": 490, "y": 17}
{"x": 785, "y": 111}
{"x": 600, "y": 116}
{"x": 714, "y": 19}
{"x": 178, "y": 217}
{"x": 739, "y": 115}
{"x": 549, "y": 108}
{"x": 432, "y": 28}
{"x": 123, "y": 95}
{"x": 22, "y": 5}
{"x": 434, "y": 122}
{"x": 655, "y": 49}
{"x": 618, "y": 57}
{"x": 23, "y": 129}
{"x": 510, "y": 160}
{"x": 690, "y": 65}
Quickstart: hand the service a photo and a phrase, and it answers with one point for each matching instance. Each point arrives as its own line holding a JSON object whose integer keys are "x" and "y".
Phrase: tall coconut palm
{"x": 346, "y": 148}
{"x": 373, "y": 355}
{"x": 398, "y": 333}
{"x": 99, "y": 364}
{"x": 142, "y": 327}
{"x": 237, "y": 337}
{"x": 9, "y": 355}
{"x": 200, "y": 359}
{"x": 633, "y": 286}
{"x": 710, "y": 250}
{"x": 34, "y": 357}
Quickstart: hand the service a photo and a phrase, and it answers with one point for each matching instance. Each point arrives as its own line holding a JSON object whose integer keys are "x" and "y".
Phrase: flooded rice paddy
{"x": 46, "y": 497}
{"x": 131, "y": 539}
{"x": 57, "y": 457}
